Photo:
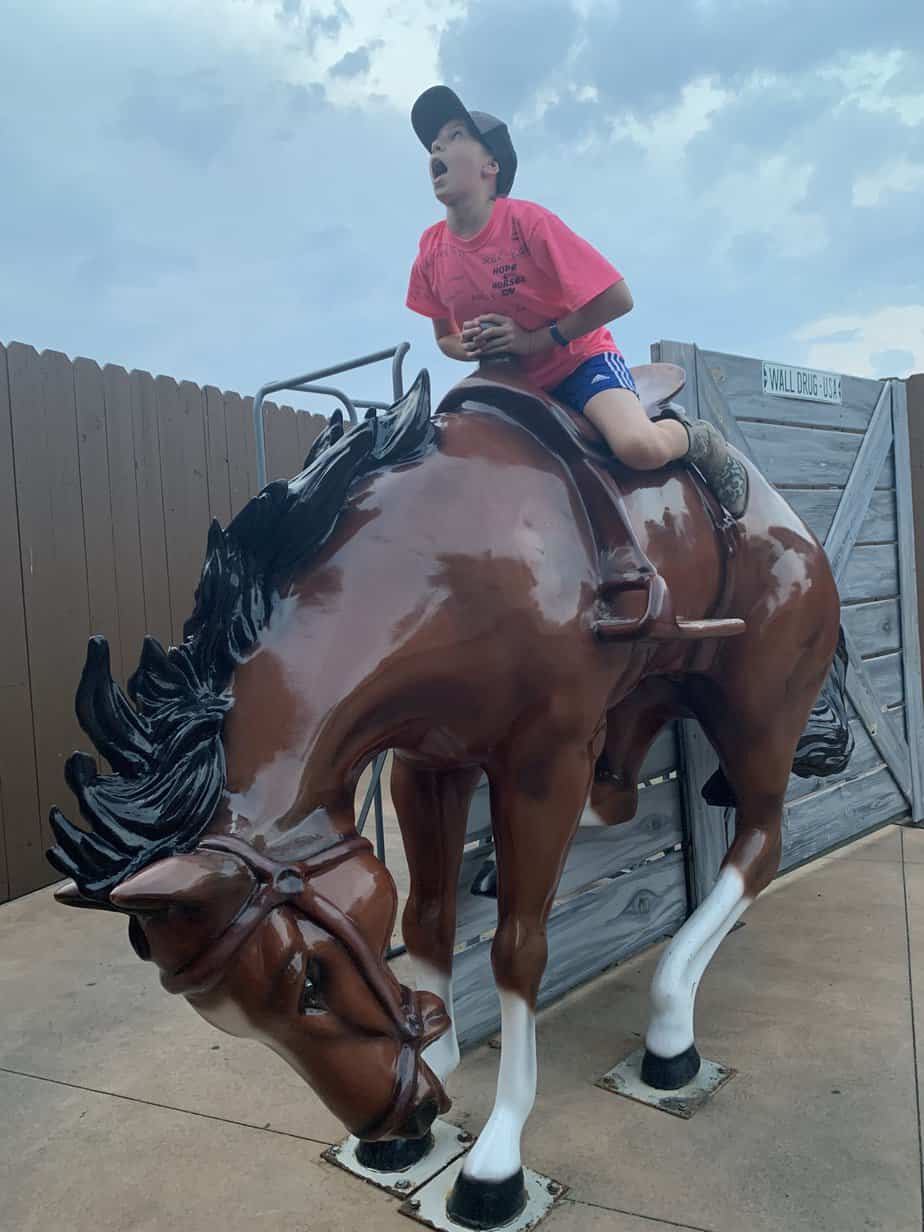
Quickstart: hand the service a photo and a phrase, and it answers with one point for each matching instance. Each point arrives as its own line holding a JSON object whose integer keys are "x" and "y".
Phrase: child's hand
{"x": 499, "y": 335}
{"x": 471, "y": 334}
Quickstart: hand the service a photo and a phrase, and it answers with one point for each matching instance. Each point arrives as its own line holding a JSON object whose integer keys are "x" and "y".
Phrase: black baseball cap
{"x": 439, "y": 104}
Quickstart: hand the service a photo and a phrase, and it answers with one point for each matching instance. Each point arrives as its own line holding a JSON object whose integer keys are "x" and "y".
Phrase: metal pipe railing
{"x": 306, "y": 384}
{"x": 297, "y": 383}
{"x": 348, "y": 404}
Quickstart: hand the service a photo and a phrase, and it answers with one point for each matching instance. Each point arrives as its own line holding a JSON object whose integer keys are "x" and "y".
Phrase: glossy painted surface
{"x": 449, "y": 616}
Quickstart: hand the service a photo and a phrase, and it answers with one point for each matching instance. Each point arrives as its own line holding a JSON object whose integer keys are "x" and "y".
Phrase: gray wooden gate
{"x": 845, "y": 470}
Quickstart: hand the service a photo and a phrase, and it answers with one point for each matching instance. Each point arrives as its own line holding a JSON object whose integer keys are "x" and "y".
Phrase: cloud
{"x": 196, "y": 188}
{"x": 887, "y": 342}
{"x": 899, "y": 176}
{"x": 660, "y": 47}
{"x": 189, "y": 115}
{"x": 356, "y": 63}
{"x": 495, "y": 55}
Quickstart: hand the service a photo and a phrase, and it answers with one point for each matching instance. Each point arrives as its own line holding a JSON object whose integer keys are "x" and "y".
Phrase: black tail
{"x": 826, "y": 744}
{"x": 824, "y": 747}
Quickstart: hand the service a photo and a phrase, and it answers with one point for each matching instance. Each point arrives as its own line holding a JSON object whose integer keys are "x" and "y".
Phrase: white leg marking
{"x": 443, "y": 1054}
{"x": 676, "y": 980}
{"x": 496, "y": 1154}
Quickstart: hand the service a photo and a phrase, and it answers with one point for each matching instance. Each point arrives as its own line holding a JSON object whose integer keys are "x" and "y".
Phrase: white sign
{"x": 783, "y": 381}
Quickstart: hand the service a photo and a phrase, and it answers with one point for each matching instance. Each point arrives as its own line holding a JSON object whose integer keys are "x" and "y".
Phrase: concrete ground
{"x": 121, "y": 1109}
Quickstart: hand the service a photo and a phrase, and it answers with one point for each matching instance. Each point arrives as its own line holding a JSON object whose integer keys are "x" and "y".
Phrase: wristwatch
{"x": 557, "y": 334}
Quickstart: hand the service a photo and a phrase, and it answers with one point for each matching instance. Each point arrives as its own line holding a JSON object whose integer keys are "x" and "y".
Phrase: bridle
{"x": 288, "y": 884}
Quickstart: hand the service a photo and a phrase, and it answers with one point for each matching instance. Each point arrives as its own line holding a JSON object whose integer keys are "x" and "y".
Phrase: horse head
{"x": 292, "y": 953}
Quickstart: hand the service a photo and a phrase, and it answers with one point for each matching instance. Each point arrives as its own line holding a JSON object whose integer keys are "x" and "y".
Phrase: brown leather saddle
{"x": 575, "y": 439}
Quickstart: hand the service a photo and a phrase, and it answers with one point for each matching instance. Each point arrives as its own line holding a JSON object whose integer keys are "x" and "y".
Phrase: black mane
{"x": 166, "y": 750}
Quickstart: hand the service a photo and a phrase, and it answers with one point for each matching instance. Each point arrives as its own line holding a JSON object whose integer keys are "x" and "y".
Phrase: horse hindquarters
{"x": 753, "y": 711}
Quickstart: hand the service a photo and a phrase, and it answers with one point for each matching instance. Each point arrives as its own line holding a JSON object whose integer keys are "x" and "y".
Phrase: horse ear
{"x": 70, "y": 896}
{"x": 189, "y": 881}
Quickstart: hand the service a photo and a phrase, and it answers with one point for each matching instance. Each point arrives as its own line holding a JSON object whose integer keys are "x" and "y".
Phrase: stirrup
{"x": 658, "y": 624}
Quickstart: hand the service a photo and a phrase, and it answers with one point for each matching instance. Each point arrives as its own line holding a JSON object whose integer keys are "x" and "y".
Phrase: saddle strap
{"x": 632, "y": 570}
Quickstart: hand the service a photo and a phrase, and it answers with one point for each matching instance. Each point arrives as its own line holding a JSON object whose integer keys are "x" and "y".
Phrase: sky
{"x": 230, "y": 191}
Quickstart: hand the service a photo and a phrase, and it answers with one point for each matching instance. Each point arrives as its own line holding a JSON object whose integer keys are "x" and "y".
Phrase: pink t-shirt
{"x": 524, "y": 263}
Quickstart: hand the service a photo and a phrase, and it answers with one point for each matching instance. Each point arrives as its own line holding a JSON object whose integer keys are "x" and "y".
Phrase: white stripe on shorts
{"x": 620, "y": 369}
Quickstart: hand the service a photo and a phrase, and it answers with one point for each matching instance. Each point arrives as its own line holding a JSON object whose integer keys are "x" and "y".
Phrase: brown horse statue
{"x": 482, "y": 592}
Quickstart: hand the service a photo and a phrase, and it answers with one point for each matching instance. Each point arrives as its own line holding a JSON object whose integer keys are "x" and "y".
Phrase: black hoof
{"x": 669, "y": 1073}
{"x": 393, "y": 1156}
{"x": 486, "y": 1204}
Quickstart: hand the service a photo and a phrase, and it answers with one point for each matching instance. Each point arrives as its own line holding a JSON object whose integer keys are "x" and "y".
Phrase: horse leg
{"x": 671, "y": 1058}
{"x": 630, "y": 732}
{"x": 432, "y": 808}
{"x": 535, "y": 807}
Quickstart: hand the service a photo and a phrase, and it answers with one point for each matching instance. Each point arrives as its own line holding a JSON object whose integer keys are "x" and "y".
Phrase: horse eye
{"x": 312, "y": 999}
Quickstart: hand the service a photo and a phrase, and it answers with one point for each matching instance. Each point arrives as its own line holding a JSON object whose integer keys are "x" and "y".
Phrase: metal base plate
{"x": 428, "y": 1206}
{"x": 449, "y": 1142}
{"x": 626, "y": 1079}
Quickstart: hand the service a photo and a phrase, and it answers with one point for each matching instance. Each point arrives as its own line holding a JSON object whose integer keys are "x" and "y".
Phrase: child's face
{"x": 460, "y": 166}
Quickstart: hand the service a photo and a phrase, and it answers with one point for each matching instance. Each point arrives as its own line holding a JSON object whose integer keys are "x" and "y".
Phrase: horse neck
{"x": 318, "y": 697}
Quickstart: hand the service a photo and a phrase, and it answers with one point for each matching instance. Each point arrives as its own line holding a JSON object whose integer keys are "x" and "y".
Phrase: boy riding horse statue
{"x": 484, "y": 591}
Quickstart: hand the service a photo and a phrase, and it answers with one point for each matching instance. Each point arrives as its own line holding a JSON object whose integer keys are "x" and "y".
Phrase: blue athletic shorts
{"x": 606, "y": 371}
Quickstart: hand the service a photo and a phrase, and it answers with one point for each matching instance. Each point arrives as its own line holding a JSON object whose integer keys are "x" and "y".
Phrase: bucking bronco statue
{"x": 483, "y": 591}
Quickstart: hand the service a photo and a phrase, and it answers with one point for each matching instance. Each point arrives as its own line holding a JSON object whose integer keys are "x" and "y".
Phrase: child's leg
{"x": 633, "y": 438}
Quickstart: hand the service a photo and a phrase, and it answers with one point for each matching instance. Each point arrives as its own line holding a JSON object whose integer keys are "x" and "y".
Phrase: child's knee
{"x": 643, "y": 450}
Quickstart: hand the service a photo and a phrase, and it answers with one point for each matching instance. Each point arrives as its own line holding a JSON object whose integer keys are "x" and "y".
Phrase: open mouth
{"x": 438, "y": 168}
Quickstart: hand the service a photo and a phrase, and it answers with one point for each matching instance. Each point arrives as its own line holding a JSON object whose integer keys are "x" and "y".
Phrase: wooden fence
{"x": 915, "y": 398}
{"x": 108, "y": 481}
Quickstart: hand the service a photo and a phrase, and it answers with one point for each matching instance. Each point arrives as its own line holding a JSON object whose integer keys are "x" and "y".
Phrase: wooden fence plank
{"x": 586, "y": 935}
{"x": 740, "y": 381}
{"x": 871, "y": 573}
{"x": 914, "y": 402}
{"x": 817, "y": 507}
{"x": 146, "y": 430}
{"x": 242, "y": 458}
{"x": 55, "y": 568}
{"x": 4, "y": 870}
{"x": 93, "y": 452}
{"x": 873, "y": 626}
{"x": 310, "y": 426}
{"x": 914, "y": 703}
{"x": 24, "y": 865}
{"x": 216, "y": 444}
{"x": 884, "y": 734}
{"x": 838, "y": 813}
{"x": 887, "y": 678}
{"x": 712, "y": 405}
{"x": 185, "y": 482}
{"x": 283, "y": 456}
{"x": 800, "y": 457}
{"x": 25, "y": 841}
{"x": 856, "y": 496}
{"x": 123, "y": 501}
